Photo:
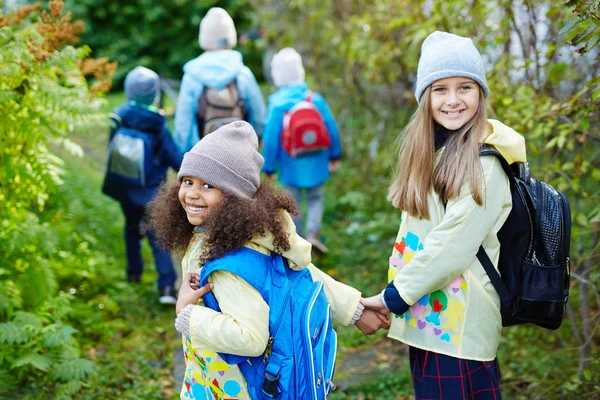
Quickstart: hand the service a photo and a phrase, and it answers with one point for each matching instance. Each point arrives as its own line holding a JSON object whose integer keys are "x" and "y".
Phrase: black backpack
{"x": 534, "y": 265}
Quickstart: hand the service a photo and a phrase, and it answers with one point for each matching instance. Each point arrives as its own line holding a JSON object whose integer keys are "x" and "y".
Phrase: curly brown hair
{"x": 229, "y": 226}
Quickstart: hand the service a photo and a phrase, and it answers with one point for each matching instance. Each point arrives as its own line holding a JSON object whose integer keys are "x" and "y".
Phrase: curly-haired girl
{"x": 218, "y": 207}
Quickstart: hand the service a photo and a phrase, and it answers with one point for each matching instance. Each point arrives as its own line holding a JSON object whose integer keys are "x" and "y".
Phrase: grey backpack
{"x": 219, "y": 107}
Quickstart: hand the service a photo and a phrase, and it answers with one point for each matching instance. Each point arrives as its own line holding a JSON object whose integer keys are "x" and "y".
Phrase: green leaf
{"x": 72, "y": 370}
{"x": 38, "y": 361}
{"x": 585, "y": 123}
{"x": 61, "y": 337}
{"x": 569, "y": 25}
{"x": 12, "y": 333}
{"x": 581, "y": 219}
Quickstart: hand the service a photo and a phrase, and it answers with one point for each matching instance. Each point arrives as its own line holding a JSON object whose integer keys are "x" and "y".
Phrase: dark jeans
{"x": 133, "y": 243}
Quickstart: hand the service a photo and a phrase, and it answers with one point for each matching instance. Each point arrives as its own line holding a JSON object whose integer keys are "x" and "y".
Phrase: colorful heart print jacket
{"x": 441, "y": 296}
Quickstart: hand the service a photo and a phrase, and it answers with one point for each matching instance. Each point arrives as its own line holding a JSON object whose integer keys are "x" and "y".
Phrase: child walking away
{"x": 264, "y": 331}
{"x": 217, "y": 87}
{"x": 140, "y": 152}
{"x": 453, "y": 201}
{"x": 301, "y": 141}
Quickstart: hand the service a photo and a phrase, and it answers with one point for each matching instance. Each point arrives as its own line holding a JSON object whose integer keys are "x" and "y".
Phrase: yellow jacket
{"x": 242, "y": 326}
{"x": 454, "y": 308}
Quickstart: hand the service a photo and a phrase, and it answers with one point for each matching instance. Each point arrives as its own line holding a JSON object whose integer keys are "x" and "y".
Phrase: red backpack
{"x": 304, "y": 130}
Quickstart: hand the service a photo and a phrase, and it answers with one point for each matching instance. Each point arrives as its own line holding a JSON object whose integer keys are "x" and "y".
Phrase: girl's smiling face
{"x": 454, "y": 101}
{"x": 198, "y": 198}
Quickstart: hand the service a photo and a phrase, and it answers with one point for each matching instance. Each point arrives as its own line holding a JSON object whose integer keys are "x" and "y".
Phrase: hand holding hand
{"x": 375, "y": 303}
{"x": 334, "y": 165}
{"x": 371, "y": 321}
{"x": 190, "y": 291}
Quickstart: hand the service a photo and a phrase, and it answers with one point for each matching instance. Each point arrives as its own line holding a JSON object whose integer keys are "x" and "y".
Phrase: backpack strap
{"x": 255, "y": 277}
{"x": 492, "y": 273}
{"x": 482, "y": 256}
{"x": 309, "y": 96}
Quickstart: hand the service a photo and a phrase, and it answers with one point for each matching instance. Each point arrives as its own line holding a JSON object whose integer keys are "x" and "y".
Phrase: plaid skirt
{"x": 440, "y": 377}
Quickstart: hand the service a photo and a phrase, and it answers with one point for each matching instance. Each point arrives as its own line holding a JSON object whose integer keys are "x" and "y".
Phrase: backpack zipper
{"x": 312, "y": 300}
{"x": 278, "y": 323}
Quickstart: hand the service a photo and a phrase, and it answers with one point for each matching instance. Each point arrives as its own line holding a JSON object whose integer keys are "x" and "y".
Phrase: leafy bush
{"x": 162, "y": 36}
{"x": 44, "y": 97}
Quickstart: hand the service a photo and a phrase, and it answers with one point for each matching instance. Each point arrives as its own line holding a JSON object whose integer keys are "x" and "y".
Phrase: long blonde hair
{"x": 417, "y": 173}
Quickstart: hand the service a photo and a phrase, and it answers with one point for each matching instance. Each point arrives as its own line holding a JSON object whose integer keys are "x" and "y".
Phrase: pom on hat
{"x": 217, "y": 30}
{"x": 227, "y": 159}
{"x": 286, "y": 67}
{"x": 445, "y": 55}
{"x": 142, "y": 85}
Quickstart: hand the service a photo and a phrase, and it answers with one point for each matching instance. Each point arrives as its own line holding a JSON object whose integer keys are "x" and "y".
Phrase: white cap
{"x": 217, "y": 30}
{"x": 286, "y": 67}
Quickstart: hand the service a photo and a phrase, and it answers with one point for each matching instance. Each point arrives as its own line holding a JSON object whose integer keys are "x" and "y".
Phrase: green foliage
{"x": 162, "y": 36}
{"x": 44, "y": 97}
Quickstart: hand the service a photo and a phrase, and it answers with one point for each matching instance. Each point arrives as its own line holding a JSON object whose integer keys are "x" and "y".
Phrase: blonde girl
{"x": 452, "y": 201}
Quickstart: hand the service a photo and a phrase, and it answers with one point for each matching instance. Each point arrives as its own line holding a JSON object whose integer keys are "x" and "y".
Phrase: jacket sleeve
{"x": 272, "y": 139}
{"x": 450, "y": 247}
{"x": 254, "y": 100}
{"x": 114, "y": 123}
{"x": 171, "y": 153}
{"x": 344, "y": 299}
{"x": 335, "y": 151}
{"x": 186, "y": 126}
{"x": 241, "y": 328}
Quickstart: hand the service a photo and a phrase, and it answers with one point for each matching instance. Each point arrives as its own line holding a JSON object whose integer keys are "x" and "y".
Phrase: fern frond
{"x": 66, "y": 391}
{"x": 60, "y": 336}
{"x": 58, "y": 307}
{"x": 38, "y": 361}
{"x": 7, "y": 382}
{"x": 13, "y": 333}
{"x": 41, "y": 277}
{"x": 27, "y": 319}
{"x": 73, "y": 370}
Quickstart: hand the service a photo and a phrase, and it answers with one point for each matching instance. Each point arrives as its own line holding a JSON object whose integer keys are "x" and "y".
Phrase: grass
{"x": 124, "y": 329}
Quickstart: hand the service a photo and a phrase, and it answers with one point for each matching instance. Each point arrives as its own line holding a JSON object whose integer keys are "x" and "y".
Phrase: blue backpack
{"x": 130, "y": 157}
{"x": 299, "y": 360}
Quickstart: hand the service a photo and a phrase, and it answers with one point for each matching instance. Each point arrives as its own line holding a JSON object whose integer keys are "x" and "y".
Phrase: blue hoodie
{"x": 306, "y": 171}
{"x": 144, "y": 119}
{"x": 215, "y": 69}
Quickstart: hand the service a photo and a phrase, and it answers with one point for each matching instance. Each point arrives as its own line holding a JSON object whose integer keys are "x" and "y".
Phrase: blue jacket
{"x": 303, "y": 172}
{"x": 144, "y": 119}
{"x": 215, "y": 69}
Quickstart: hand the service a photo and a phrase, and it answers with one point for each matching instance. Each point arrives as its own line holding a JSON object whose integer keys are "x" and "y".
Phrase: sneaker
{"x": 167, "y": 296}
{"x": 313, "y": 239}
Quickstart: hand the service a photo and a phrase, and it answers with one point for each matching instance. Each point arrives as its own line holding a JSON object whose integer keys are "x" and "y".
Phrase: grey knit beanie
{"x": 142, "y": 85}
{"x": 226, "y": 159}
{"x": 217, "y": 30}
{"x": 444, "y": 55}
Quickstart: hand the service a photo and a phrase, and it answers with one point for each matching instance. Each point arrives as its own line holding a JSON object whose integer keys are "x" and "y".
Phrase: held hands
{"x": 334, "y": 165}
{"x": 190, "y": 291}
{"x": 375, "y": 303}
{"x": 372, "y": 318}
